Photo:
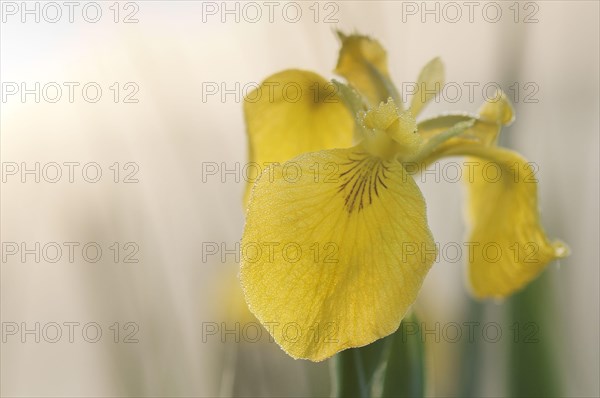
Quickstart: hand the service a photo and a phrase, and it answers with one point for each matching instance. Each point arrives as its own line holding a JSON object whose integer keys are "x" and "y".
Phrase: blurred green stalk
{"x": 529, "y": 339}
{"x": 533, "y": 368}
{"x": 471, "y": 358}
{"x": 390, "y": 367}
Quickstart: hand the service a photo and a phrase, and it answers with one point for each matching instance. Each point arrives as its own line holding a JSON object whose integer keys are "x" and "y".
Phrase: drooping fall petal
{"x": 335, "y": 249}
{"x": 507, "y": 244}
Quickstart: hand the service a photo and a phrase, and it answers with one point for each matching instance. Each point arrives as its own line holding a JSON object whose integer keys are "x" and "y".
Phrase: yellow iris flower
{"x": 336, "y": 243}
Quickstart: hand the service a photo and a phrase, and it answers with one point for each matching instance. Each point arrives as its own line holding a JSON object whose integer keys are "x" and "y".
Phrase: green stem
{"x": 533, "y": 367}
{"x": 390, "y": 367}
{"x": 471, "y": 360}
{"x": 405, "y": 371}
{"x": 355, "y": 369}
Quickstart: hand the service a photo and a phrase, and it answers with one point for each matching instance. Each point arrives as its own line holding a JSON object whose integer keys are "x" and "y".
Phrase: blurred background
{"x": 118, "y": 273}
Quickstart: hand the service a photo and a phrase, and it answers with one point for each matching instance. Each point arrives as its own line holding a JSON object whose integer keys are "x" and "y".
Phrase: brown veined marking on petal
{"x": 358, "y": 186}
{"x": 365, "y": 176}
{"x": 383, "y": 170}
{"x": 358, "y": 172}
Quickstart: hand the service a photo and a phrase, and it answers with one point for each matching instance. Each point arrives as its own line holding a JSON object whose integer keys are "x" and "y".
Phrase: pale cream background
{"x": 170, "y": 132}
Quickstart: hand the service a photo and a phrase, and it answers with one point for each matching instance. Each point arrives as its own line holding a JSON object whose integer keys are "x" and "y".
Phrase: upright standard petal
{"x": 363, "y": 62}
{"x": 507, "y": 244}
{"x": 294, "y": 112}
{"x": 429, "y": 84}
{"x": 335, "y": 249}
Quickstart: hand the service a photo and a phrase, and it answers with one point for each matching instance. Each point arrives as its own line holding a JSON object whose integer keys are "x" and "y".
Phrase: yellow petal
{"x": 507, "y": 245}
{"x": 293, "y": 112}
{"x": 497, "y": 110}
{"x": 363, "y": 62}
{"x": 434, "y": 126}
{"x": 486, "y": 126}
{"x": 350, "y": 248}
{"x": 429, "y": 84}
